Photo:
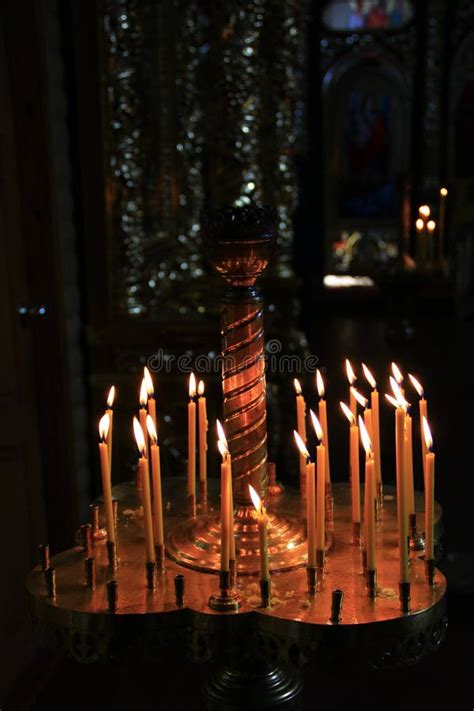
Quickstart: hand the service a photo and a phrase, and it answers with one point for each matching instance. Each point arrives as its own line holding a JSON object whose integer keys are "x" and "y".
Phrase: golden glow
{"x": 369, "y": 377}
{"x": 360, "y": 398}
{"x": 139, "y": 437}
{"x": 221, "y": 434}
{"x": 401, "y": 402}
{"x": 397, "y": 373}
{"x": 351, "y": 376}
{"x": 420, "y": 225}
{"x": 143, "y": 394}
{"x": 347, "y": 412}
{"x": 417, "y": 385}
{"x": 364, "y": 436}
{"x": 301, "y": 445}
{"x": 201, "y": 388}
{"x": 320, "y": 383}
{"x": 149, "y": 381}
{"x": 427, "y": 434}
{"x": 222, "y": 447}
{"x": 297, "y": 385}
{"x": 392, "y": 400}
{"x": 443, "y": 192}
{"x": 192, "y": 386}
{"x": 424, "y": 210}
{"x": 317, "y": 426}
{"x": 111, "y": 397}
{"x": 104, "y": 425}
{"x": 150, "y": 425}
{"x": 431, "y": 225}
{"x": 256, "y": 500}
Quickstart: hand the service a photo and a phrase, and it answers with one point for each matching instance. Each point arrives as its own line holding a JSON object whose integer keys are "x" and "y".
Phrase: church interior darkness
{"x": 121, "y": 123}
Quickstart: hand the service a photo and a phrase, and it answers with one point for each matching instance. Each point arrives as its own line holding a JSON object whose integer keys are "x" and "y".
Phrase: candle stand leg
{"x": 160, "y": 557}
{"x": 336, "y": 606}
{"x": 89, "y": 567}
{"x": 44, "y": 556}
{"x": 430, "y": 570}
{"x": 371, "y": 577}
{"x": 150, "y": 567}
{"x": 179, "y": 589}
{"x": 311, "y": 577}
{"x": 226, "y": 600}
{"x": 265, "y": 590}
{"x": 404, "y": 588}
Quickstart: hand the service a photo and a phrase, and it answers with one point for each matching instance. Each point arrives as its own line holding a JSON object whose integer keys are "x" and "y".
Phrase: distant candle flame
{"x": 424, "y": 210}
{"x": 320, "y": 383}
{"x": 221, "y": 434}
{"x": 297, "y": 385}
{"x": 192, "y": 385}
{"x": 427, "y": 434}
{"x": 351, "y": 376}
{"x": 256, "y": 500}
{"x": 369, "y": 377}
{"x": 397, "y": 373}
{"x": 364, "y": 436}
{"x": 143, "y": 394}
{"x": 139, "y": 437}
{"x": 392, "y": 400}
{"x": 317, "y": 426}
{"x": 346, "y": 410}
{"x": 150, "y": 388}
{"x": 300, "y": 444}
{"x": 104, "y": 425}
{"x": 420, "y": 225}
{"x": 360, "y": 398}
{"x": 398, "y": 394}
{"x": 201, "y": 388}
{"x": 111, "y": 397}
{"x": 417, "y": 385}
{"x": 222, "y": 447}
{"x": 443, "y": 192}
{"x": 150, "y": 425}
{"x": 431, "y": 225}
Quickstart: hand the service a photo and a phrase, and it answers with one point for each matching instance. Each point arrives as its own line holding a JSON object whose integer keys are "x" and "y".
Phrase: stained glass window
{"x": 358, "y": 15}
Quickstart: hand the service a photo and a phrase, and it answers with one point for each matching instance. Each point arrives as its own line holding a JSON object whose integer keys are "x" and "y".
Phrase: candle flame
{"x": 111, "y": 397}
{"x": 256, "y": 500}
{"x": 149, "y": 382}
{"x": 360, "y": 398}
{"x": 143, "y": 394}
{"x": 364, "y": 436}
{"x": 139, "y": 437}
{"x": 397, "y": 373}
{"x": 431, "y": 225}
{"x": 222, "y": 447}
{"x": 301, "y": 445}
{"x": 427, "y": 434}
{"x": 420, "y": 225}
{"x": 192, "y": 386}
{"x": 320, "y": 383}
{"x": 150, "y": 425}
{"x": 424, "y": 210}
{"x": 392, "y": 400}
{"x": 297, "y": 385}
{"x": 201, "y": 388}
{"x": 443, "y": 192}
{"x": 317, "y": 426}
{"x": 104, "y": 425}
{"x": 346, "y": 410}
{"x": 221, "y": 434}
{"x": 369, "y": 377}
{"x": 417, "y": 385}
{"x": 351, "y": 376}
{"x": 401, "y": 402}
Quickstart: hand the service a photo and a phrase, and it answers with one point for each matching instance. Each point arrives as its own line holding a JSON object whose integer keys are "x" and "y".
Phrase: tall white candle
{"x": 104, "y": 425}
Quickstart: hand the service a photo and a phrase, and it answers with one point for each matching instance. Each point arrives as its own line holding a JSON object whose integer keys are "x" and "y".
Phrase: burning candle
{"x": 354, "y": 470}
{"x": 322, "y": 411}
{"x": 321, "y": 485}
{"x": 143, "y": 407}
{"x": 423, "y": 408}
{"x": 431, "y": 226}
{"x": 225, "y": 506}
{"x": 424, "y": 210}
{"x": 192, "y": 445}
{"x": 369, "y": 498}
{"x": 398, "y": 375}
{"x": 222, "y": 438}
{"x": 150, "y": 389}
{"x": 262, "y": 520}
{"x": 402, "y": 501}
{"x": 420, "y": 240}
{"x": 409, "y": 464}
{"x": 110, "y": 412}
{"x": 202, "y": 416}
{"x": 145, "y": 486}
{"x": 351, "y": 377}
{"x": 375, "y": 438}
{"x": 104, "y": 425}
{"x": 429, "y": 491}
{"x": 300, "y": 425}
{"x": 443, "y": 193}
{"x": 310, "y": 500}
{"x": 156, "y": 479}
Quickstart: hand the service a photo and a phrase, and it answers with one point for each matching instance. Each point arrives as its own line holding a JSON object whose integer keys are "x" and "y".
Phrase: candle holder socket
{"x": 160, "y": 557}
{"x": 150, "y": 567}
{"x": 320, "y": 562}
{"x": 232, "y": 572}
{"x": 112, "y": 595}
{"x": 44, "y": 556}
{"x": 336, "y": 606}
{"x": 112, "y": 554}
{"x": 430, "y": 570}
{"x": 265, "y": 591}
{"x": 404, "y": 589}
{"x": 86, "y": 538}
{"x": 226, "y": 600}
{"x": 371, "y": 579}
{"x": 179, "y": 589}
{"x": 89, "y": 567}
{"x": 98, "y": 533}
{"x": 274, "y": 487}
{"x": 50, "y": 579}
{"x": 311, "y": 577}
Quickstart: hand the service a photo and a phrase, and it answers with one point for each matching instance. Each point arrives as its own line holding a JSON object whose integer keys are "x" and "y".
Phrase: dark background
{"x": 93, "y": 226}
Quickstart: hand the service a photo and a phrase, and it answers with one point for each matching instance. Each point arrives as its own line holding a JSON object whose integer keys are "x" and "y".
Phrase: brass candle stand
{"x": 102, "y": 602}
